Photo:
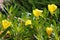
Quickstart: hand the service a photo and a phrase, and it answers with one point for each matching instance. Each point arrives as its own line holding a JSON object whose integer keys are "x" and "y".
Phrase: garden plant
{"x": 29, "y": 20}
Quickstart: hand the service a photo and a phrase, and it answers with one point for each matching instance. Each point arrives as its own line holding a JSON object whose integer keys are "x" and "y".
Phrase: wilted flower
{"x": 37, "y": 12}
{"x": 1, "y": 32}
{"x": 52, "y": 8}
{"x": 28, "y": 22}
{"x": 49, "y": 30}
{"x": 5, "y": 24}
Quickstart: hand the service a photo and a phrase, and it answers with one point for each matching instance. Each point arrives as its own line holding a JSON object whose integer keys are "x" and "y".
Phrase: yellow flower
{"x": 37, "y": 12}
{"x": 52, "y": 8}
{"x": 5, "y": 24}
{"x": 49, "y": 30}
{"x": 28, "y": 22}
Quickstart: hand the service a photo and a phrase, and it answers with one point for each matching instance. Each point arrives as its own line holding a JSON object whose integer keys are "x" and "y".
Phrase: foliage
{"x": 20, "y": 11}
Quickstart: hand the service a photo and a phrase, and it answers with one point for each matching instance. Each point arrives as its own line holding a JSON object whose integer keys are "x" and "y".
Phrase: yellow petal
{"x": 28, "y": 22}
{"x": 52, "y": 8}
{"x": 49, "y": 30}
{"x": 37, "y": 12}
{"x": 5, "y": 24}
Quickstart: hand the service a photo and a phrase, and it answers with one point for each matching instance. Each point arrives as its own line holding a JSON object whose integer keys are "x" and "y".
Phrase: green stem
{"x": 39, "y": 37}
{"x": 55, "y": 30}
{"x": 38, "y": 29}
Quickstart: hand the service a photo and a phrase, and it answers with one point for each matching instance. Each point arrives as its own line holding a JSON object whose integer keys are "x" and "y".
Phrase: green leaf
{"x": 5, "y": 32}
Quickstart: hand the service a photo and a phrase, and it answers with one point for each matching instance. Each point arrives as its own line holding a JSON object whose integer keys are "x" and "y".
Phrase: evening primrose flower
{"x": 37, "y": 12}
{"x": 49, "y": 30}
{"x": 28, "y": 22}
{"x": 5, "y": 24}
{"x": 52, "y": 8}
